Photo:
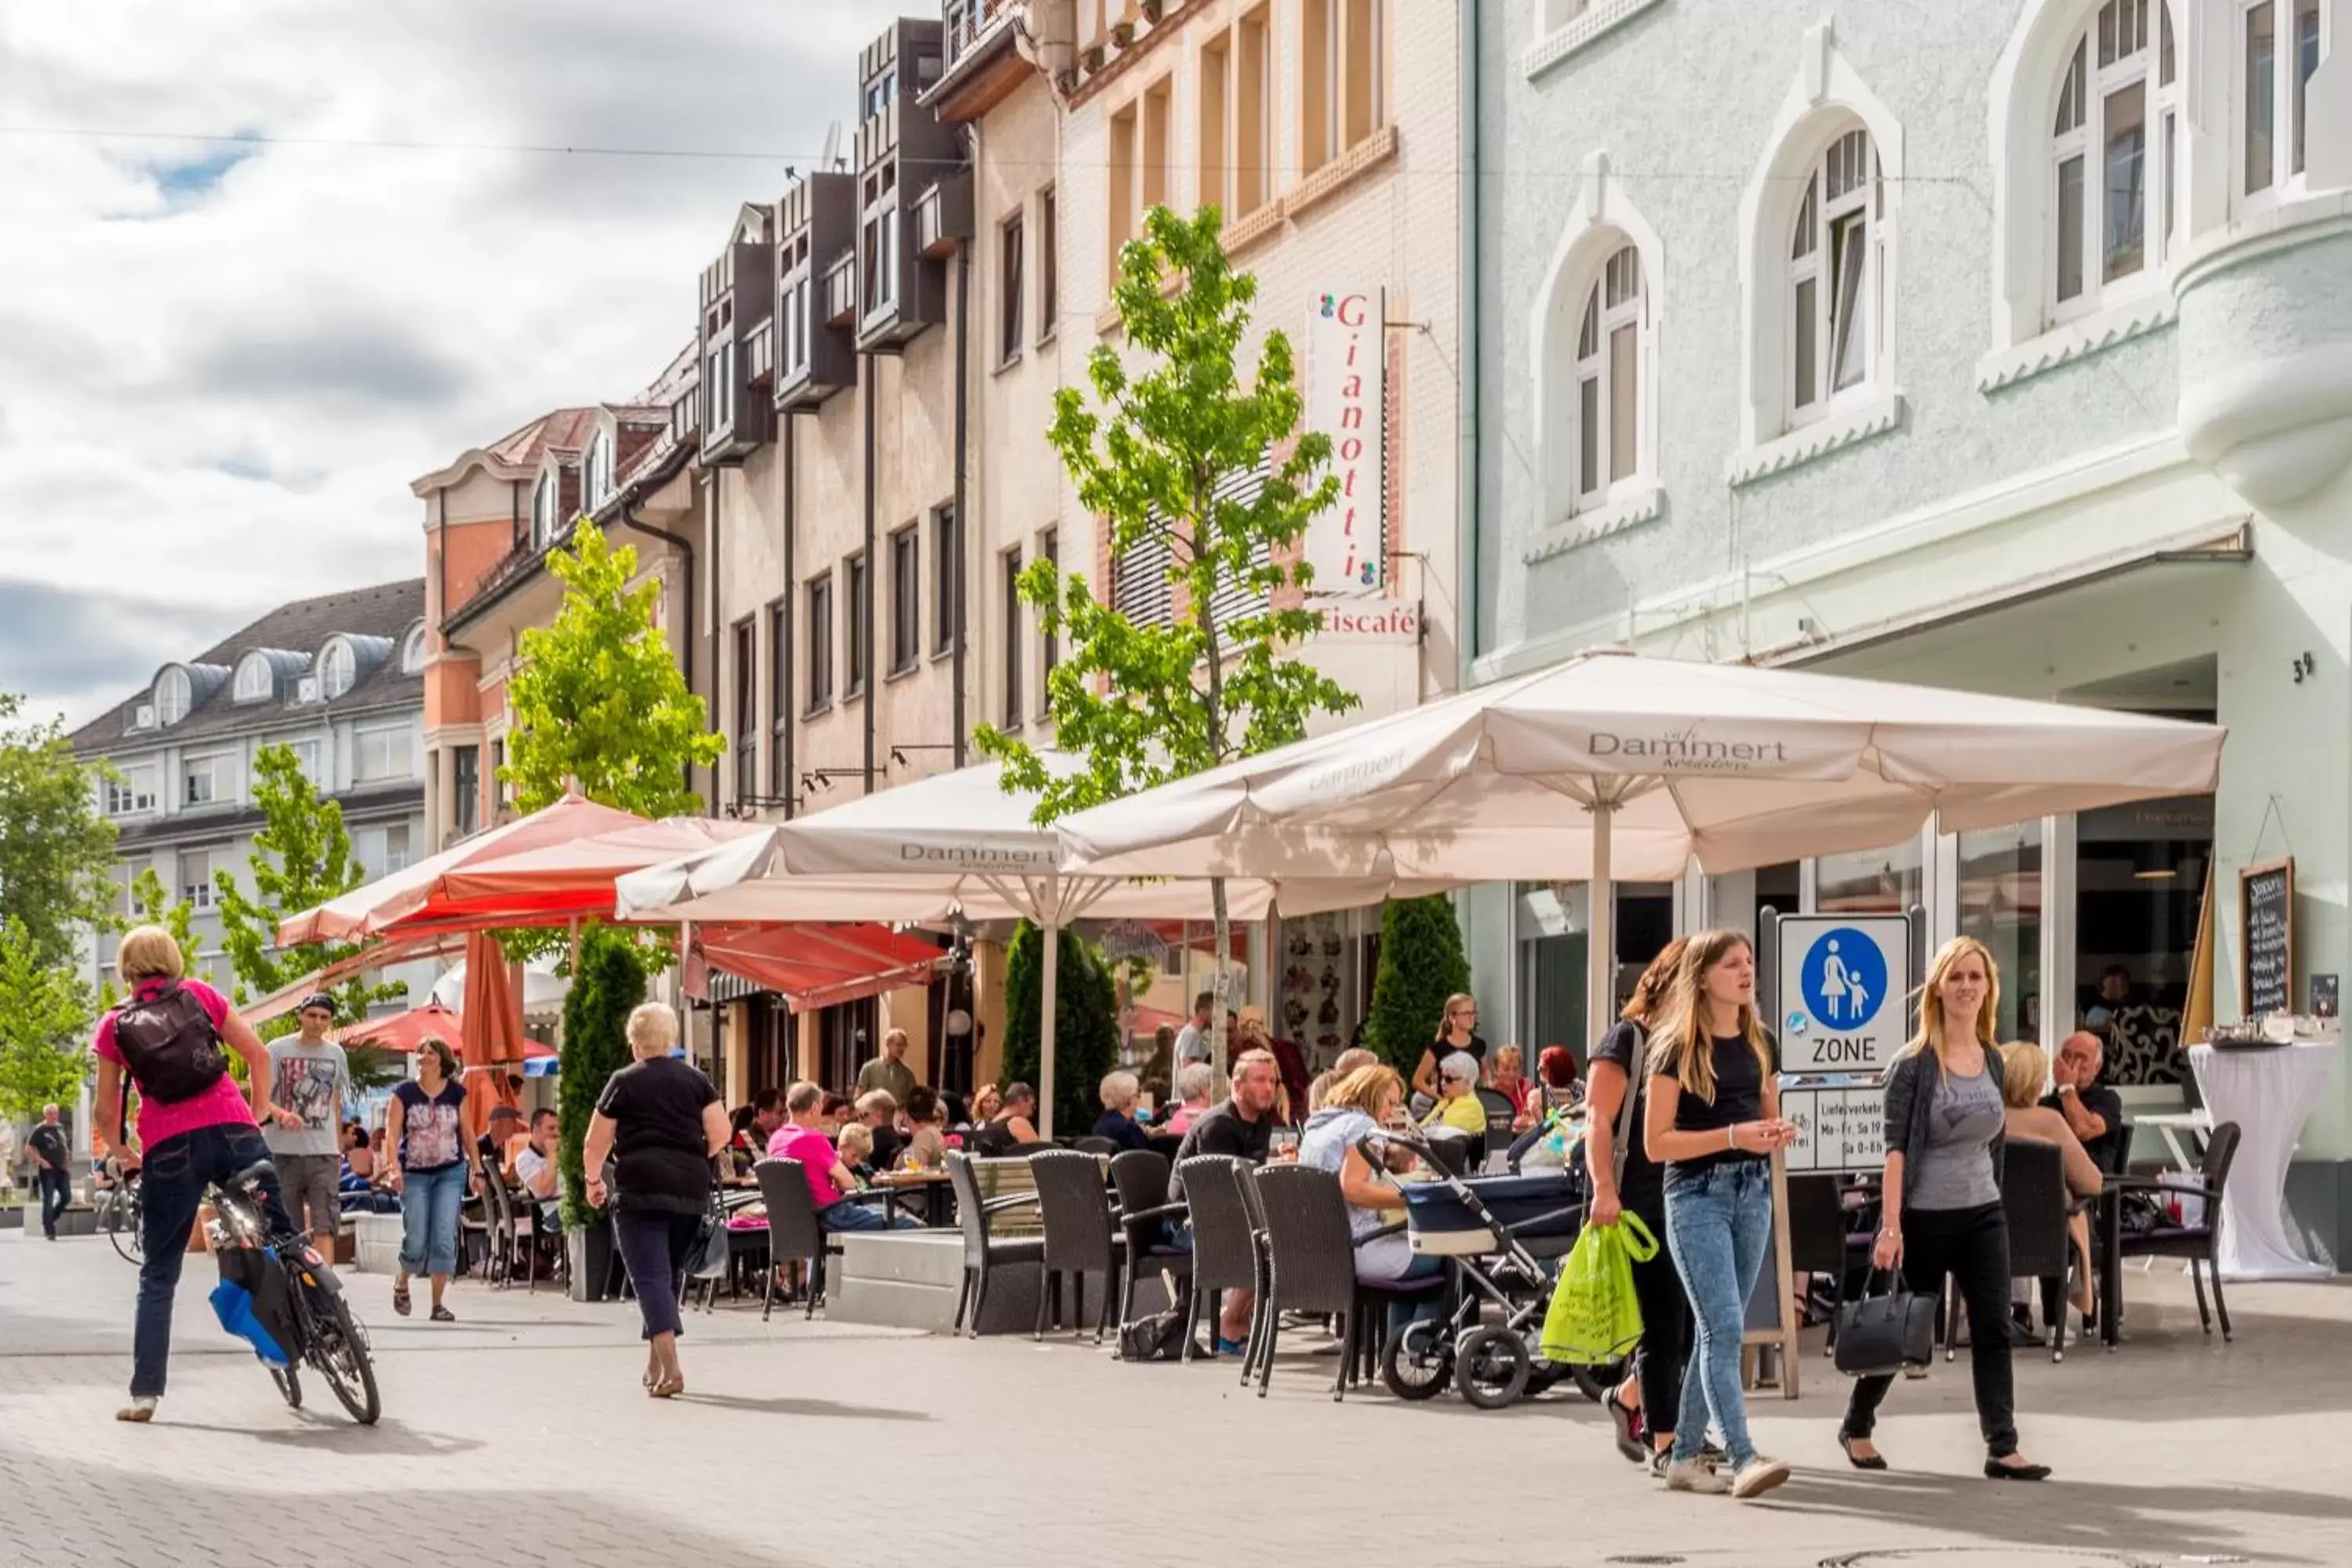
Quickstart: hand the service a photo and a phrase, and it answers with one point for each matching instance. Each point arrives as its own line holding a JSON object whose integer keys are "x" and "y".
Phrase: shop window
{"x": 2139, "y": 888}
{"x": 1872, "y": 882}
{"x": 2000, "y": 906}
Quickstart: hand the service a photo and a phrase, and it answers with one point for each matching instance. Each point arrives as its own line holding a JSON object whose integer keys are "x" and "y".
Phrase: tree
{"x": 1085, "y": 1023}
{"x": 44, "y": 1015}
{"x": 610, "y": 979}
{"x": 597, "y": 698}
{"x": 1421, "y": 965}
{"x": 1160, "y": 458}
{"x": 56, "y": 849}
{"x": 301, "y": 856}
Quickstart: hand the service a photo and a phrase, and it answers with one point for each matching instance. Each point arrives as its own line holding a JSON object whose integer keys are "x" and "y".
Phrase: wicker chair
{"x": 1139, "y": 1179}
{"x": 1094, "y": 1147}
{"x": 2197, "y": 1244}
{"x": 794, "y": 1234}
{"x": 984, "y": 1252}
{"x": 1224, "y": 1238}
{"x": 1311, "y": 1268}
{"x": 1077, "y": 1210}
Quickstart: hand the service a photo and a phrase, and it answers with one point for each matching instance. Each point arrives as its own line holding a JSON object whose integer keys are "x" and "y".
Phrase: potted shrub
{"x": 1421, "y": 965}
{"x": 609, "y": 980}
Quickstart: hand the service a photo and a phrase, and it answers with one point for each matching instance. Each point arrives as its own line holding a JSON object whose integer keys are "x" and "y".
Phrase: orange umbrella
{"x": 405, "y": 1033}
{"x": 494, "y": 1023}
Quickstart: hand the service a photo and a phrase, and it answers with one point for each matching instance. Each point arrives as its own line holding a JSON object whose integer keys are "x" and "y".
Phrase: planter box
{"x": 12, "y": 1219}
{"x": 375, "y": 1243}
{"x": 591, "y": 1256}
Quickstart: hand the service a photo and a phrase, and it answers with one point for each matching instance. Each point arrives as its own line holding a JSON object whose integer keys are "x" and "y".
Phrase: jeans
{"x": 173, "y": 1180}
{"x": 843, "y": 1214}
{"x": 429, "y": 1201}
{"x": 1717, "y": 1220}
{"x": 654, "y": 1245}
{"x": 1665, "y": 1327}
{"x": 1972, "y": 1246}
{"x": 57, "y": 1196}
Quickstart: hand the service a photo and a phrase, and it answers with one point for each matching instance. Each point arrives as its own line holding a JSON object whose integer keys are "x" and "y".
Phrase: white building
{"x": 2006, "y": 346}
{"x": 340, "y": 679}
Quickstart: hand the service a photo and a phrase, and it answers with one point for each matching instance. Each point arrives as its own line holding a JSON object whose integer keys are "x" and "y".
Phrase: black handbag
{"x": 1878, "y": 1336}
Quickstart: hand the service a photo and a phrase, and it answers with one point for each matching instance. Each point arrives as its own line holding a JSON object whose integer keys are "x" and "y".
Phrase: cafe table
{"x": 2268, "y": 1091}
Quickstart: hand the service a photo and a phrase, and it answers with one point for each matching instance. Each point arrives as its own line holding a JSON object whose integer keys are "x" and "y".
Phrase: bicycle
{"x": 118, "y": 1215}
{"x": 328, "y": 1338}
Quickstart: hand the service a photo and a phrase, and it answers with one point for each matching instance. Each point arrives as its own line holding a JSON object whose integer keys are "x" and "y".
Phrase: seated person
{"x": 359, "y": 1160}
{"x": 854, "y": 1143}
{"x": 1458, "y": 1105}
{"x": 1355, "y": 1108}
{"x": 832, "y": 1110}
{"x": 1012, "y": 1129}
{"x": 535, "y": 1168}
{"x": 1193, "y": 1081}
{"x": 2093, "y": 1110}
{"x": 1510, "y": 1081}
{"x": 878, "y": 1111}
{"x": 504, "y": 1128}
{"x": 803, "y": 1138}
{"x": 2023, "y": 1068}
{"x": 926, "y": 1115}
{"x": 985, "y": 1105}
{"x": 1119, "y": 1092}
{"x": 1556, "y": 1071}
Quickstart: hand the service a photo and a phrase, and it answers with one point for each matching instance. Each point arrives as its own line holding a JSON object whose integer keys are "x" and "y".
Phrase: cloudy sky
{"x": 221, "y": 362}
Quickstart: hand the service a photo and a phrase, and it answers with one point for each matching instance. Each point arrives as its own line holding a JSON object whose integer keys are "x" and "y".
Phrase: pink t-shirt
{"x": 223, "y": 1104}
{"x": 817, "y": 1155}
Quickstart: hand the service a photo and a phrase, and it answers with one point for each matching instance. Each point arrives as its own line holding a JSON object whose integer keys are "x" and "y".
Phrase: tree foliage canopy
{"x": 1086, "y": 1023}
{"x": 57, "y": 848}
{"x": 45, "y": 1019}
{"x": 1421, "y": 964}
{"x": 609, "y": 981}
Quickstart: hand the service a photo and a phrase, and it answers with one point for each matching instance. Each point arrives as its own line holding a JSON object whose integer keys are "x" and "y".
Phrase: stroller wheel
{"x": 1417, "y": 1361}
{"x": 1491, "y": 1367}
{"x": 1595, "y": 1382}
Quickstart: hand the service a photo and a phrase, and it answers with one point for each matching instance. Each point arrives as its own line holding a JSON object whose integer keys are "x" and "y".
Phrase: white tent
{"x": 952, "y": 844}
{"x": 1612, "y": 766}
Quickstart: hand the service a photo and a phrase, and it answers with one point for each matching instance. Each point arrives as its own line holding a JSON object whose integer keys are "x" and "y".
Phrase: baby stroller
{"x": 1503, "y": 1234}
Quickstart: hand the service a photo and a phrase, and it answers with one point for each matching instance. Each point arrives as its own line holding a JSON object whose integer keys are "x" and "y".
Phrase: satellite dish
{"x": 959, "y": 1023}
{"x": 831, "y": 158}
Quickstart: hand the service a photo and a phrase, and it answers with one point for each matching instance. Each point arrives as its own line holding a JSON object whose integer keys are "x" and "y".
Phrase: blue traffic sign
{"x": 1843, "y": 981}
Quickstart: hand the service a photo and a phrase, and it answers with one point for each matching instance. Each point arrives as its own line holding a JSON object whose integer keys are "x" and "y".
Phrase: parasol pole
{"x": 1601, "y": 938}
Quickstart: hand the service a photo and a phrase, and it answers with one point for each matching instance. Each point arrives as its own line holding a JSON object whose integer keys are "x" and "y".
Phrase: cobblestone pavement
{"x": 519, "y": 1437}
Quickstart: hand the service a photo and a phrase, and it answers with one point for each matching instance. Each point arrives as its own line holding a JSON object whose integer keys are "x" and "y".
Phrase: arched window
{"x": 412, "y": 652}
{"x": 1835, "y": 291}
{"x": 2114, "y": 140}
{"x": 1608, "y": 448}
{"x": 255, "y": 678}
{"x": 336, "y": 670}
{"x": 172, "y": 694}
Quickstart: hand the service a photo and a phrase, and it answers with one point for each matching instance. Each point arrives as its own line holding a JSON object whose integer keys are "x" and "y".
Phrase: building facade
{"x": 339, "y": 679}
{"x": 2003, "y": 348}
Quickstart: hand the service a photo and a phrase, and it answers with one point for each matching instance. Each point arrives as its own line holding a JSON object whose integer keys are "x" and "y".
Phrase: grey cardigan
{"x": 1908, "y": 1096}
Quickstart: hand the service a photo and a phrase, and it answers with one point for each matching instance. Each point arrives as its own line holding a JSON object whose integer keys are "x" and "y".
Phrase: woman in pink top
{"x": 196, "y": 1126}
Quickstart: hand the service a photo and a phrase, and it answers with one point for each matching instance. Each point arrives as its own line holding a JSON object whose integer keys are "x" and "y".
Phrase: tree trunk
{"x": 1217, "y": 1013}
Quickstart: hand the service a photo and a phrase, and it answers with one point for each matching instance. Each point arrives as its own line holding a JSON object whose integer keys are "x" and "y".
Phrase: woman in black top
{"x": 661, "y": 1122}
{"x": 1626, "y": 1180}
{"x": 1457, "y": 1032}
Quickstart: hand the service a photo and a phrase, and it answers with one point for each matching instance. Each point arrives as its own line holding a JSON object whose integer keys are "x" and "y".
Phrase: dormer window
{"x": 337, "y": 670}
{"x": 171, "y": 695}
{"x": 255, "y": 678}
{"x": 543, "y": 504}
{"x": 596, "y": 473}
{"x": 412, "y": 652}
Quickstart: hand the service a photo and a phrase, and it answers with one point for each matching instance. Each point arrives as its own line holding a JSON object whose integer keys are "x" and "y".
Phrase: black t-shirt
{"x": 1738, "y": 1097}
{"x": 1642, "y": 1186}
{"x": 1221, "y": 1132}
{"x": 49, "y": 1142}
{"x": 2106, "y": 1150}
{"x": 888, "y": 1146}
{"x": 1439, "y": 1050}
{"x": 996, "y": 1141}
{"x": 662, "y": 1158}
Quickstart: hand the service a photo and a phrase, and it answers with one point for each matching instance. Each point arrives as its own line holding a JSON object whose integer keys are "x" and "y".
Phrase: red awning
{"x": 817, "y": 965}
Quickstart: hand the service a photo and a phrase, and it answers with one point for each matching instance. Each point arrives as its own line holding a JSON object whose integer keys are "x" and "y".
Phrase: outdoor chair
{"x": 794, "y": 1234}
{"x": 516, "y": 1228}
{"x": 1311, "y": 1254}
{"x": 500, "y": 1269}
{"x": 1224, "y": 1238}
{"x": 1500, "y": 1119}
{"x": 1139, "y": 1178}
{"x": 1095, "y": 1147}
{"x": 984, "y": 1252}
{"x": 1076, "y": 1206}
{"x": 2195, "y": 1244}
{"x": 1819, "y": 1242}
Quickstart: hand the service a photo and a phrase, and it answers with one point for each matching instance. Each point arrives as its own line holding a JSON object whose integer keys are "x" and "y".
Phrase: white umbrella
{"x": 1611, "y": 766}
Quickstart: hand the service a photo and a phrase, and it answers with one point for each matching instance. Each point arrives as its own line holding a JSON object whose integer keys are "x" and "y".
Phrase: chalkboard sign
{"x": 2266, "y": 938}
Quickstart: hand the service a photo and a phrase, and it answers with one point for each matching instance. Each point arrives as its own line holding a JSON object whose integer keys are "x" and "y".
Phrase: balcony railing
{"x": 969, "y": 21}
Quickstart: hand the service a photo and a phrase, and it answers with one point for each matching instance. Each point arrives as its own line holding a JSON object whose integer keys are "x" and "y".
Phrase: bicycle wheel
{"x": 123, "y": 1228}
{"x": 289, "y": 1380}
{"x": 338, "y": 1349}
{"x": 1491, "y": 1366}
{"x": 1417, "y": 1360}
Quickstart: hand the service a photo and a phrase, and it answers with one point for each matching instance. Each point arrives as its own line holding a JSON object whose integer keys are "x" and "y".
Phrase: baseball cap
{"x": 319, "y": 1000}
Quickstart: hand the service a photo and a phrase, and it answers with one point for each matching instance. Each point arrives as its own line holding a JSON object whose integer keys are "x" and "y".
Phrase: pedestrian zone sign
{"x": 1845, "y": 988}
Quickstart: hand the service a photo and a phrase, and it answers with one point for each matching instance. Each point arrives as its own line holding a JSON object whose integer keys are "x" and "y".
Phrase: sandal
{"x": 1628, "y": 1422}
{"x": 667, "y": 1389}
{"x": 400, "y": 1301}
{"x": 1859, "y": 1461}
{"x": 444, "y": 1315}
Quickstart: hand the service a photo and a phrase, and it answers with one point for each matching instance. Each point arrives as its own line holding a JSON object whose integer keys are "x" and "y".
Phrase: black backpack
{"x": 170, "y": 1045}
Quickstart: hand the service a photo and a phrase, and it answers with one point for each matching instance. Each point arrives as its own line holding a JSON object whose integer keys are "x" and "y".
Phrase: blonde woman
{"x": 1119, "y": 1092}
{"x": 195, "y": 1127}
{"x": 1457, "y": 1031}
{"x": 1713, "y": 1120}
{"x": 1941, "y": 1212}
{"x": 2024, "y": 1070}
{"x": 1355, "y": 1108}
{"x": 437, "y": 1166}
{"x": 661, "y": 1123}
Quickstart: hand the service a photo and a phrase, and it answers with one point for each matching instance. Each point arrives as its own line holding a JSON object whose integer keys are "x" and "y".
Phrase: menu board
{"x": 2266, "y": 938}
{"x": 1840, "y": 1124}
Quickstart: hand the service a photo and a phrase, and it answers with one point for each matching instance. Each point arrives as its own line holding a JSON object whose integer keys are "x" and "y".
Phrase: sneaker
{"x": 140, "y": 1409}
{"x": 1757, "y": 1476}
{"x": 1629, "y": 1425}
{"x": 1695, "y": 1476}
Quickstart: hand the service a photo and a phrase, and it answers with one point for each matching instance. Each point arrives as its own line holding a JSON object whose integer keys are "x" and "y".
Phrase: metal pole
{"x": 1046, "y": 1032}
{"x": 1600, "y": 959}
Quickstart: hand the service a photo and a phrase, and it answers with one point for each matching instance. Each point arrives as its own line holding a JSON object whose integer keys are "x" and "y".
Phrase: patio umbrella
{"x": 405, "y": 1033}
{"x": 493, "y": 1020}
{"x": 1611, "y": 766}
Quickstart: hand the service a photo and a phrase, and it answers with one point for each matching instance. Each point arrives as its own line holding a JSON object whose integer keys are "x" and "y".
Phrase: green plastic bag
{"x": 1594, "y": 1319}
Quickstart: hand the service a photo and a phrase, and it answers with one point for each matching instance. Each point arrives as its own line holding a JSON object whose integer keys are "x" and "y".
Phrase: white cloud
{"x": 221, "y": 364}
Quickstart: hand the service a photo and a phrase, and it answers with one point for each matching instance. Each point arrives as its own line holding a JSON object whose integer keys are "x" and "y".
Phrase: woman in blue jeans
{"x": 1713, "y": 1121}
{"x": 434, "y": 1165}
